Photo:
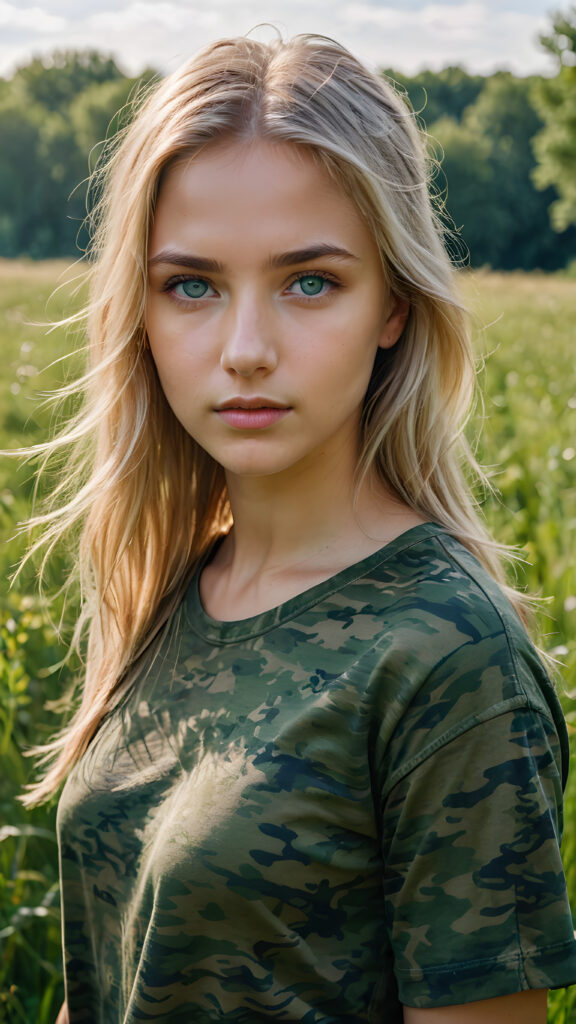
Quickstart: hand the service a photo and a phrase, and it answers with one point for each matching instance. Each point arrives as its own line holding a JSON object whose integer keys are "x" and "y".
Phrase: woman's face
{"x": 267, "y": 304}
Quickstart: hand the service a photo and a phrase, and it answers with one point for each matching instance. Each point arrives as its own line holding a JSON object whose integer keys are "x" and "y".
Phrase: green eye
{"x": 192, "y": 288}
{"x": 312, "y": 284}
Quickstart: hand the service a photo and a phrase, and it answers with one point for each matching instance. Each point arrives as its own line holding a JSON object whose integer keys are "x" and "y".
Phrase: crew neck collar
{"x": 232, "y": 631}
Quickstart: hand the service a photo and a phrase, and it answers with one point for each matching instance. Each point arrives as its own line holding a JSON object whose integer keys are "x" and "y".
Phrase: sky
{"x": 481, "y": 36}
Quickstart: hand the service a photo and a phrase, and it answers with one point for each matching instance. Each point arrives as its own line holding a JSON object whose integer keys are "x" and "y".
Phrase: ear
{"x": 395, "y": 323}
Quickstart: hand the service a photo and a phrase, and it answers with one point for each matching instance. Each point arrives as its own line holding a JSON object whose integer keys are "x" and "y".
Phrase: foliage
{"x": 487, "y": 164}
{"x": 54, "y": 80}
{"x": 555, "y": 144}
{"x": 20, "y": 142}
{"x": 31, "y": 986}
{"x": 30, "y": 965}
{"x": 527, "y": 427}
{"x": 508, "y": 147}
{"x": 53, "y": 113}
{"x": 469, "y": 193}
{"x": 525, "y": 435}
{"x": 100, "y": 111}
{"x": 508, "y": 151}
{"x": 436, "y": 94}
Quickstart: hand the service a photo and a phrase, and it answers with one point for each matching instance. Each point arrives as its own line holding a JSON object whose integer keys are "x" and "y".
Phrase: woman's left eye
{"x": 311, "y": 285}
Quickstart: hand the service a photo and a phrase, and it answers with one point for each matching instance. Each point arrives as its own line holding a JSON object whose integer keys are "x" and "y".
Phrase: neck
{"x": 299, "y": 523}
{"x": 295, "y": 529}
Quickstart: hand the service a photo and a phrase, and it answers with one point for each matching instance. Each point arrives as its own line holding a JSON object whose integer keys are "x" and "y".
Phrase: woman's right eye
{"x": 191, "y": 288}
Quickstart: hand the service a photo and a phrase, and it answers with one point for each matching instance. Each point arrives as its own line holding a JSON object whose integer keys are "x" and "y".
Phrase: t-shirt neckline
{"x": 234, "y": 630}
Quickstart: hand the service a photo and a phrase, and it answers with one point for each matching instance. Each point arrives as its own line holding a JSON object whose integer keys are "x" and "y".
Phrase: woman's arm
{"x": 62, "y": 1017}
{"x": 527, "y": 1007}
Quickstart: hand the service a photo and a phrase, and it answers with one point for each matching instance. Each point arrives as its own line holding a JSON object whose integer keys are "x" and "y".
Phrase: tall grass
{"x": 31, "y": 988}
{"x": 528, "y": 438}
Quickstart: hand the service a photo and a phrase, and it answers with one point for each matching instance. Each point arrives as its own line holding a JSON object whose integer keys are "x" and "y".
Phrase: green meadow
{"x": 524, "y": 431}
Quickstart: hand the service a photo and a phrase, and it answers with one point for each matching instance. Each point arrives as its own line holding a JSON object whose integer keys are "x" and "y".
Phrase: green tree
{"x": 63, "y": 188}
{"x": 555, "y": 144}
{"x": 103, "y": 108}
{"x": 470, "y": 193}
{"x": 487, "y": 166}
{"x": 55, "y": 79}
{"x": 40, "y": 163}
{"x": 53, "y": 114}
{"x": 436, "y": 94}
{"x": 19, "y": 177}
{"x": 505, "y": 114}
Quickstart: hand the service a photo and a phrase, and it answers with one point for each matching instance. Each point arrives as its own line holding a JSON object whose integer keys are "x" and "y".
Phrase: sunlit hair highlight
{"x": 146, "y": 500}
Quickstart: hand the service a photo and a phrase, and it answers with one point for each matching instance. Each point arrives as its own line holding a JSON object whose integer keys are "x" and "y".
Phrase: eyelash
{"x": 172, "y": 283}
{"x": 315, "y": 273}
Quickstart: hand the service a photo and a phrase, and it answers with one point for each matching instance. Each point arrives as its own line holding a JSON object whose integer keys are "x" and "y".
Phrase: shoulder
{"x": 452, "y": 650}
{"x": 438, "y": 587}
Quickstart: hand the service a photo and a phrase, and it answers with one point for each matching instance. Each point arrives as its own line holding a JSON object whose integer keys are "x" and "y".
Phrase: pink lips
{"x": 251, "y": 414}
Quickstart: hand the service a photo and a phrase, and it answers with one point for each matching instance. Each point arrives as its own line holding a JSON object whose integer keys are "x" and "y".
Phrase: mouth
{"x": 251, "y": 413}
{"x": 250, "y": 403}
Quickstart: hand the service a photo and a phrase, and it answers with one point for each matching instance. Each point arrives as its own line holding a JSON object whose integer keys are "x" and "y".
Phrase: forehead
{"x": 256, "y": 190}
{"x": 276, "y": 164}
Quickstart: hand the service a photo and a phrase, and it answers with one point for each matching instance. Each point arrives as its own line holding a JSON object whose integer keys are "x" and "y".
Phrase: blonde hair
{"x": 147, "y": 499}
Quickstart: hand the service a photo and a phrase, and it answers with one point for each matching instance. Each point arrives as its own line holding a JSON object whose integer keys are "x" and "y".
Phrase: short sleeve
{"x": 474, "y": 888}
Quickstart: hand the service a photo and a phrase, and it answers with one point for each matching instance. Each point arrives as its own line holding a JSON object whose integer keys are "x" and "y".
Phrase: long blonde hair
{"x": 147, "y": 500}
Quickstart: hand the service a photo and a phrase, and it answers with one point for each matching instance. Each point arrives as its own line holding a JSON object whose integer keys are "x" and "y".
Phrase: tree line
{"x": 502, "y": 148}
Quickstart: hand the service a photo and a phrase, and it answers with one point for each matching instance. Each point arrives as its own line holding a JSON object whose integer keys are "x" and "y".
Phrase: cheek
{"x": 177, "y": 361}
{"x": 178, "y": 385}
{"x": 353, "y": 345}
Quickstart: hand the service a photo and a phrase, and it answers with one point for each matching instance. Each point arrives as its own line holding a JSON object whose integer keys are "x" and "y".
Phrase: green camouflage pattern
{"x": 314, "y": 815}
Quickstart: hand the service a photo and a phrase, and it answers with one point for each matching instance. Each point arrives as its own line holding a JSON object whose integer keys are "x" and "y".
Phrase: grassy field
{"x": 527, "y": 423}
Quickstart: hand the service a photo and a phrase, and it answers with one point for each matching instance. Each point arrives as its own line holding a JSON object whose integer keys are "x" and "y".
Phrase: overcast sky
{"x": 408, "y": 36}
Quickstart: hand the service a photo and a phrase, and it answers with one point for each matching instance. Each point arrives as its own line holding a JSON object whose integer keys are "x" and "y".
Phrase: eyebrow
{"x": 319, "y": 250}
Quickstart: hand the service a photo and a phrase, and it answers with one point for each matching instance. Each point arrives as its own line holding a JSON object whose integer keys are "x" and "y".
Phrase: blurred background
{"x": 494, "y": 86}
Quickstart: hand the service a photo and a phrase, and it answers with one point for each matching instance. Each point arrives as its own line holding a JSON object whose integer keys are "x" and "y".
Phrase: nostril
{"x": 245, "y": 357}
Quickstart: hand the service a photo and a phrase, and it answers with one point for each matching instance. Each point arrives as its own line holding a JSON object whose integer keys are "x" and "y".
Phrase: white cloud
{"x": 476, "y": 35}
{"x": 480, "y": 35}
{"x": 69, "y": 8}
{"x": 167, "y": 16}
{"x": 35, "y": 19}
{"x": 448, "y": 22}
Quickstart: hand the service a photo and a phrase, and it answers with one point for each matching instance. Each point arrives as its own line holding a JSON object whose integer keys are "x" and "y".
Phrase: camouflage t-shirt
{"x": 316, "y": 814}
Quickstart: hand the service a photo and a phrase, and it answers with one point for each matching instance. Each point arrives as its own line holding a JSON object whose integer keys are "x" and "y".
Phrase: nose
{"x": 248, "y": 342}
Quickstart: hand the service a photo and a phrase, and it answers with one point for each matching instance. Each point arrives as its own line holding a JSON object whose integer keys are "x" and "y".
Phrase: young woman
{"x": 316, "y": 773}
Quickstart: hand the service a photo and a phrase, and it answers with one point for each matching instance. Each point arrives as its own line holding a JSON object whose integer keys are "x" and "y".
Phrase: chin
{"x": 256, "y": 465}
{"x": 252, "y": 471}
{"x": 252, "y": 463}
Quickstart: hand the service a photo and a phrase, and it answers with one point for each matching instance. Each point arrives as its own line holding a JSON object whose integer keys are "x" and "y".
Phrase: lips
{"x": 251, "y": 413}
{"x": 250, "y": 403}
